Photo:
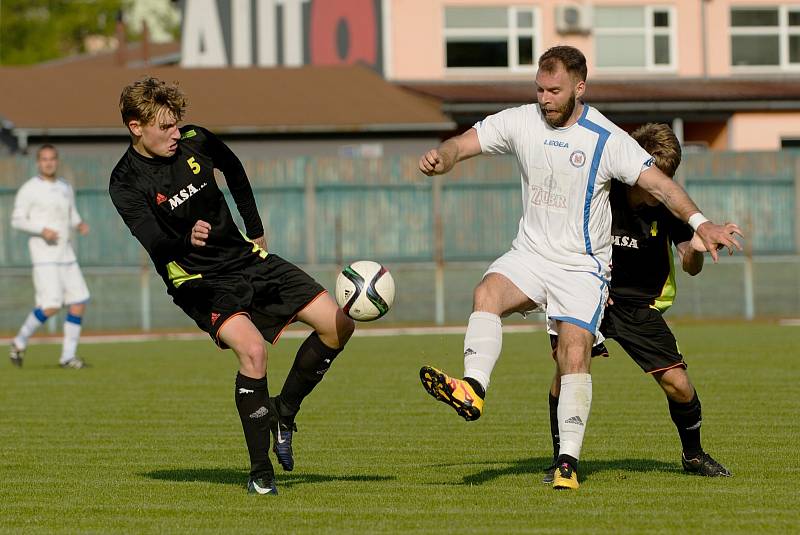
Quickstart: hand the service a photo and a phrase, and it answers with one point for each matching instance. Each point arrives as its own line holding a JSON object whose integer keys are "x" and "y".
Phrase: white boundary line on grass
{"x": 792, "y": 322}
{"x": 294, "y": 333}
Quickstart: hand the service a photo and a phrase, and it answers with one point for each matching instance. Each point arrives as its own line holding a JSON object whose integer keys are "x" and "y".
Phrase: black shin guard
{"x": 553, "y": 400}
{"x": 312, "y": 361}
{"x": 252, "y": 402}
{"x": 687, "y": 418}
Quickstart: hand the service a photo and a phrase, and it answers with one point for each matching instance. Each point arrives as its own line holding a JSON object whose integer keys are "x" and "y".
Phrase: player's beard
{"x": 562, "y": 114}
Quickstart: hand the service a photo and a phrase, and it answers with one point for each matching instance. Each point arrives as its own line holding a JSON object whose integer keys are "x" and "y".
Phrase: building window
{"x": 765, "y": 37}
{"x": 635, "y": 38}
{"x": 491, "y": 38}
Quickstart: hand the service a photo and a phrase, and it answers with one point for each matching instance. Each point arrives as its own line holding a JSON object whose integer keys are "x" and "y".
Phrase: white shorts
{"x": 58, "y": 285}
{"x": 576, "y": 297}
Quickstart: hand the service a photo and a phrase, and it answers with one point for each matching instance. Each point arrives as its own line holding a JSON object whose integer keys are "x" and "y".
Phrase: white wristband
{"x": 697, "y": 219}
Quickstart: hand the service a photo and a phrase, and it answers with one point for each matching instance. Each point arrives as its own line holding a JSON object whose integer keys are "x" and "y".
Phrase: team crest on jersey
{"x": 577, "y": 158}
{"x": 214, "y": 317}
{"x": 649, "y": 163}
{"x": 160, "y": 197}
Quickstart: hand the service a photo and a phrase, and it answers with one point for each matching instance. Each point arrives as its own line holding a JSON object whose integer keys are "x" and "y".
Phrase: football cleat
{"x": 75, "y": 363}
{"x": 565, "y": 477}
{"x": 599, "y": 350}
{"x": 704, "y": 465}
{"x": 454, "y": 392}
{"x": 282, "y": 439}
{"x": 262, "y": 485}
{"x": 549, "y": 474}
{"x": 16, "y": 354}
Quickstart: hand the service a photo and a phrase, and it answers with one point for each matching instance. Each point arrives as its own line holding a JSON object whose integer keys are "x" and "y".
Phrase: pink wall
{"x": 762, "y": 130}
{"x": 417, "y": 36}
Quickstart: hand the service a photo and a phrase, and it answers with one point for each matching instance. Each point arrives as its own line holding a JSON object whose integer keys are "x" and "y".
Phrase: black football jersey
{"x": 160, "y": 200}
{"x": 642, "y": 266}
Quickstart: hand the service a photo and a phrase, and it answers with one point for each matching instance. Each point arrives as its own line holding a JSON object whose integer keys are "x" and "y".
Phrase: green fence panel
{"x": 383, "y": 208}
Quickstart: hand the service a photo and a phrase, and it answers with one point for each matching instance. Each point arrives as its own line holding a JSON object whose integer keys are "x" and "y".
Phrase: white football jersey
{"x": 566, "y": 217}
{"x": 43, "y": 204}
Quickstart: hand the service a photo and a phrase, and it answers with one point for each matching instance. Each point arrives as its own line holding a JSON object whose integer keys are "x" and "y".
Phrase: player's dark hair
{"x": 142, "y": 100}
{"x": 569, "y": 57}
{"x": 659, "y": 140}
{"x": 46, "y": 146}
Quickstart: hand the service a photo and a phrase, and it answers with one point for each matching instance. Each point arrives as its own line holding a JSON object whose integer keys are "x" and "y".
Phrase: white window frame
{"x": 782, "y": 30}
{"x": 511, "y": 33}
{"x": 649, "y": 32}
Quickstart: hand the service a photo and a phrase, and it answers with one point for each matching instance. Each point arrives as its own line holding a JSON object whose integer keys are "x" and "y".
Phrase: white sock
{"x": 34, "y": 320}
{"x": 574, "y": 405}
{"x": 482, "y": 345}
{"x": 72, "y": 332}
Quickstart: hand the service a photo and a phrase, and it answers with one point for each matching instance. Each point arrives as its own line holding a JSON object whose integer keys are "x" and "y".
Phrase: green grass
{"x": 148, "y": 440}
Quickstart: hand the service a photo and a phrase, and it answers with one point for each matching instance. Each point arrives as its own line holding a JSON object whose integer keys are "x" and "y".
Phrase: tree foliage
{"x": 32, "y": 31}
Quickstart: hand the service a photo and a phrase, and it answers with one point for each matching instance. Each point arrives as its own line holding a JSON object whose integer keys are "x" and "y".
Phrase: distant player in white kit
{"x": 559, "y": 262}
{"x": 45, "y": 208}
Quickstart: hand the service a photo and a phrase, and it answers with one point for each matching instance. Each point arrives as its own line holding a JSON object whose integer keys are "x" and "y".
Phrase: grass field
{"x": 148, "y": 440}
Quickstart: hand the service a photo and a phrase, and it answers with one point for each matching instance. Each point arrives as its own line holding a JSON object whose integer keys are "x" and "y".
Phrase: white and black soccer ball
{"x": 365, "y": 290}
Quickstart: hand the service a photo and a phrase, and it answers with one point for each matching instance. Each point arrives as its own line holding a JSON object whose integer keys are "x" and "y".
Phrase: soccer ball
{"x": 365, "y": 290}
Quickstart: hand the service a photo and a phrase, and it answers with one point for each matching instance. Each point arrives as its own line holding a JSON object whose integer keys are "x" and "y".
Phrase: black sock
{"x": 476, "y": 386}
{"x": 252, "y": 402}
{"x": 553, "y": 400}
{"x": 687, "y": 418}
{"x": 310, "y": 364}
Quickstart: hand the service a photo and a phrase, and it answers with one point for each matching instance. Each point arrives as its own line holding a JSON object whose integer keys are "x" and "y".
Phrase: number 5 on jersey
{"x": 193, "y": 165}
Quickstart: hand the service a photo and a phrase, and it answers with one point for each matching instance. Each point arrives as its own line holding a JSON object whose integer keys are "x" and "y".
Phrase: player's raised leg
{"x": 332, "y": 330}
{"x": 252, "y": 398}
{"x": 685, "y": 411}
{"x": 494, "y": 297}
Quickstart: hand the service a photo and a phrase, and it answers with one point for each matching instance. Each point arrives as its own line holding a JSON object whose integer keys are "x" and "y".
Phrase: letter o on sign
{"x": 361, "y": 23}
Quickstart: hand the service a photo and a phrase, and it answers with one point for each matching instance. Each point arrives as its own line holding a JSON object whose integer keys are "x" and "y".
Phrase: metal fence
{"x": 125, "y": 299}
{"x": 437, "y": 235}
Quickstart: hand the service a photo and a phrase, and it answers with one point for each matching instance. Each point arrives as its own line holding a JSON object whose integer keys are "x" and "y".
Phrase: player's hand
{"x": 83, "y": 228}
{"x": 432, "y": 163}
{"x": 261, "y": 242}
{"x": 714, "y": 237}
{"x": 49, "y": 235}
{"x": 200, "y": 232}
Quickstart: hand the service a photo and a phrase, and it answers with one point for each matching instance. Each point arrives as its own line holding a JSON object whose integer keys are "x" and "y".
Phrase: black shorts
{"x": 644, "y": 335}
{"x": 270, "y": 291}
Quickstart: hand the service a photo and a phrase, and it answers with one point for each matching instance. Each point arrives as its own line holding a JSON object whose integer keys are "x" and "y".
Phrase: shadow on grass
{"x": 536, "y": 466}
{"x": 229, "y": 476}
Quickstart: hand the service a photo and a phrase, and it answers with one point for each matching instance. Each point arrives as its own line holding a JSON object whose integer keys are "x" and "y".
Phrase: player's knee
{"x": 484, "y": 298}
{"x": 676, "y": 385}
{"x": 253, "y": 355}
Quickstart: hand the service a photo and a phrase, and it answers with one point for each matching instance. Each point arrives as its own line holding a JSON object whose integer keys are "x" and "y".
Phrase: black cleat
{"x": 549, "y": 474}
{"x": 262, "y": 485}
{"x": 704, "y": 465}
{"x": 282, "y": 438}
{"x": 599, "y": 350}
{"x": 16, "y": 354}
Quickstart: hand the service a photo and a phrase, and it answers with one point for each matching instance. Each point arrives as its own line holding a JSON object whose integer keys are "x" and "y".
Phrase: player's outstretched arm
{"x": 442, "y": 159}
{"x": 675, "y": 198}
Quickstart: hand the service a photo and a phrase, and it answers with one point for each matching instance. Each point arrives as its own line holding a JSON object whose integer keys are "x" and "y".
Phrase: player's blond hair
{"x": 142, "y": 100}
{"x": 659, "y": 140}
